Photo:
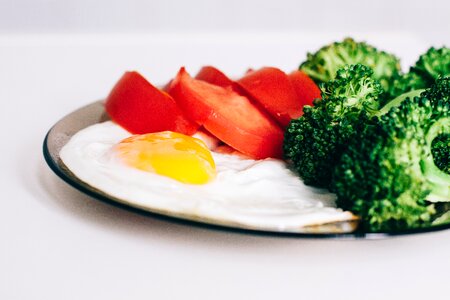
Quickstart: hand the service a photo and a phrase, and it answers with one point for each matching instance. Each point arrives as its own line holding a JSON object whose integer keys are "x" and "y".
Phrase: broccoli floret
{"x": 397, "y": 101}
{"x": 405, "y": 83}
{"x": 314, "y": 141}
{"x": 441, "y": 152}
{"x": 430, "y": 66}
{"x": 433, "y": 64}
{"x": 322, "y": 65}
{"x": 387, "y": 174}
{"x": 440, "y": 91}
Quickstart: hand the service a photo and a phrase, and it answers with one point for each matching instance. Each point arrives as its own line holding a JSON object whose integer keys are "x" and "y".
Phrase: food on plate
{"x": 389, "y": 157}
{"x": 315, "y": 141}
{"x": 140, "y": 107}
{"x": 440, "y": 149}
{"x": 170, "y": 154}
{"x": 214, "y": 76}
{"x": 271, "y": 89}
{"x": 430, "y": 66}
{"x": 387, "y": 172}
{"x": 262, "y": 194}
{"x": 277, "y": 151}
{"x": 282, "y": 96}
{"x": 229, "y": 116}
{"x": 322, "y": 65}
{"x": 305, "y": 88}
{"x": 440, "y": 91}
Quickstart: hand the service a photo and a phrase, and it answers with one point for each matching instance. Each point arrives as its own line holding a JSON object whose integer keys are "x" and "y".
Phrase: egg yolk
{"x": 170, "y": 154}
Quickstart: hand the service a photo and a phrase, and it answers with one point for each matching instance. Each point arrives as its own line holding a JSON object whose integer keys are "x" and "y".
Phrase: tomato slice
{"x": 232, "y": 118}
{"x": 306, "y": 89}
{"x": 139, "y": 107}
{"x": 272, "y": 89}
{"x": 214, "y": 76}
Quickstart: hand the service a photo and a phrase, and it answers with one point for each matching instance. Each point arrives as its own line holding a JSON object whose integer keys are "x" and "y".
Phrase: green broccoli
{"x": 441, "y": 145}
{"x": 431, "y": 65}
{"x": 441, "y": 152}
{"x": 439, "y": 90}
{"x": 405, "y": 83}
{"x": 387, "y": 174}
{"x": 323, "y": 65}
{"x": 314, "y": 141}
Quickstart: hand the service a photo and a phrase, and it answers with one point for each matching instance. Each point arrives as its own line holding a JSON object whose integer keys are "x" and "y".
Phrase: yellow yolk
{"x": 170, "y": 154}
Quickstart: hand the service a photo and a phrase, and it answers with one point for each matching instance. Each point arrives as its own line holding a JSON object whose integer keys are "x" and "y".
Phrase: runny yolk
{"x": 170, "y": 154}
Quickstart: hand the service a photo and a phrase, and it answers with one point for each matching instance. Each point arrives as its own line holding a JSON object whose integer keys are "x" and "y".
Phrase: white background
{"x": 428, "y": 19}
{"x": 56, "y": 243}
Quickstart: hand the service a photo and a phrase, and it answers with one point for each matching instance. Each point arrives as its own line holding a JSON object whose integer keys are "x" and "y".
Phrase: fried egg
{"x": 177, "y": 175}
{"x": 170, "y": 154}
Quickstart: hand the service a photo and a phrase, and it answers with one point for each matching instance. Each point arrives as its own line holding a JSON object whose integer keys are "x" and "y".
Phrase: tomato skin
{"x": 213, "y": 75}
{"x": 306, "y": 89}
{"x": 255, "y": 145}
{"x": 230, "y": 117}
{"x": 189, "y": 98}
{"x": 272, "y": 89}
{"x": 140, "y": 107}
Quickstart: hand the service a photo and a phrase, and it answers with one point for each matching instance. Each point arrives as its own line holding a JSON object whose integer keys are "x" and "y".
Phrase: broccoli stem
{"x": 438, "y": 179}
{"x": 397, "y": 101}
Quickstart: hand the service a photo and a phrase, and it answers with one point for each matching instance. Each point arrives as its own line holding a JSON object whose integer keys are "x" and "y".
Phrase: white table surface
{"x": 57, "y": 243}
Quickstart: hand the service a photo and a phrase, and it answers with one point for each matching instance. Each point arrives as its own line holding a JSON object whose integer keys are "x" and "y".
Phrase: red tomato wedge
{"x": 139, "y": 107}
{"x": 230, "y": 117}
{"x": 306, "y": 89}
{"x": 214, "y": 76}
{"x": 272, "y": 89}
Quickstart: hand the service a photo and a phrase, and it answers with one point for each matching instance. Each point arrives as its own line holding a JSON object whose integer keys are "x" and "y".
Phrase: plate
{"x": 94, "y": 113}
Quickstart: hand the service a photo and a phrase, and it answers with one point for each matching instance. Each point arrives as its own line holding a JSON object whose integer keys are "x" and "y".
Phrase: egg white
{"x": 261, "y": 194}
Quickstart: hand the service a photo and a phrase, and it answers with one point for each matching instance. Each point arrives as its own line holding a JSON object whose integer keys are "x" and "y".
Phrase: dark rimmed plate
{"x": 94, "y": 113}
